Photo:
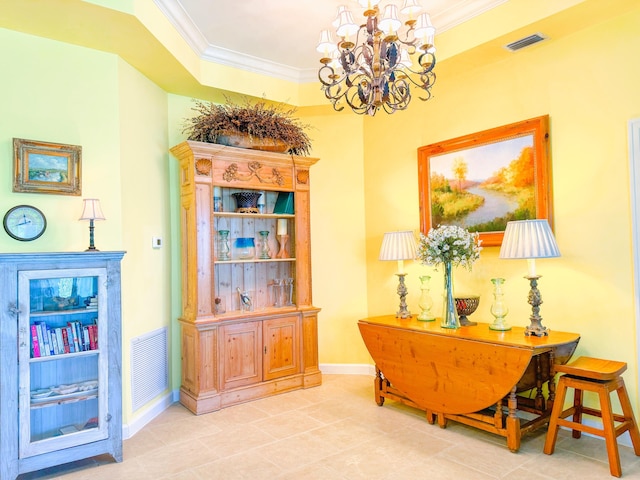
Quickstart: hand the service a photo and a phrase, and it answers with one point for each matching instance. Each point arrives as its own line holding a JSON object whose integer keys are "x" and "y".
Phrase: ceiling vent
{"x": 525, "y": 42}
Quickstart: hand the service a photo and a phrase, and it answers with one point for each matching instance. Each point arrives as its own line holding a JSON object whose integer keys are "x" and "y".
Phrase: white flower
{"x": 449, "y": 243}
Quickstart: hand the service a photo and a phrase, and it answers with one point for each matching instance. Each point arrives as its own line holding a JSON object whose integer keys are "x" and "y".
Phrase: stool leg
{"x": 628, "y": 415}
{"x": 558, "y": 405}
{"x": 610, "y": 433}
{"x": 577, "y": 412}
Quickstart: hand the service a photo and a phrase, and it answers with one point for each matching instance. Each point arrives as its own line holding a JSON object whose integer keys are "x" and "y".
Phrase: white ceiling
{"x": 279, "y": 37}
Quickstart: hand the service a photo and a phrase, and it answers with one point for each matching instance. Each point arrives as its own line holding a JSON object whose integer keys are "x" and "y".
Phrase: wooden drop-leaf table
{"x": 472, "y": 375}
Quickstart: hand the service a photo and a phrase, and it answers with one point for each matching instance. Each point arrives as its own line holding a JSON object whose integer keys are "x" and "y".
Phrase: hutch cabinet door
{"x": 62, "y": 359}
{"x": 241, "y": 351}
{"x": 281, "y": 347}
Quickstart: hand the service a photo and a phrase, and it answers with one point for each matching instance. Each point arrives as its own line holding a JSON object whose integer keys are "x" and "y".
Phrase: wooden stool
{"x": 602, "y": 377}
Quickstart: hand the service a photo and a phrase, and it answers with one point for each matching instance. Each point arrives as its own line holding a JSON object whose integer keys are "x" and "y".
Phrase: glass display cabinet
{"x": 60, "y": 359}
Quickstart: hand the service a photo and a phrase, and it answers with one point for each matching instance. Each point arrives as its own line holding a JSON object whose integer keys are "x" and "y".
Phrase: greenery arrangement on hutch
{"x": 450, "y": 246}
{"x": 258, "y": 126}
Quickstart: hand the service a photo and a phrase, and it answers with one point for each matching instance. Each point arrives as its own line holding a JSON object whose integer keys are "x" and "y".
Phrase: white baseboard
{"x": 138, "y": 423}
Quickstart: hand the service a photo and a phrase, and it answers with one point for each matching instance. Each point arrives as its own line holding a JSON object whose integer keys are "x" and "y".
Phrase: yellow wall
{"x": 364, "y": 185}
{"x": 144, "y": 183}
{"x": 585, "y": 82}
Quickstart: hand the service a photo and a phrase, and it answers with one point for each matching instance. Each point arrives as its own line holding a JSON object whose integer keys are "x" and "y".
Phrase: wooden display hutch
{"x": 235, "y": 351}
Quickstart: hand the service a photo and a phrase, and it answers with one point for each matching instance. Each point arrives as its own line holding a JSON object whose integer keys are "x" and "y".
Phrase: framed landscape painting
{"x": 43, "y": 167}
{"x": 484, "y": 180}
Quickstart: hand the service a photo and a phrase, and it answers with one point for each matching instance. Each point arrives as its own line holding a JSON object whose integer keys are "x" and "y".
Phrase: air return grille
{"x": 149, "y": 367}
{"x": 525, "y": 42}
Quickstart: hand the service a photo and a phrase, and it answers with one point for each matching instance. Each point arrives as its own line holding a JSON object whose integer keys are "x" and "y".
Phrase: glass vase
{"x": 425, "y": 303}
{"x": 288, "y": 291}
{"x": 223, "y": 245}
{"x": 449, "y": 312}
{"x": 264, "y": 244}
{"x": 499, "y": 308}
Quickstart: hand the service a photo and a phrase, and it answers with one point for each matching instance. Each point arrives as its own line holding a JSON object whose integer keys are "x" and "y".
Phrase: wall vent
{"x": 149, "y": 367}
{"x": 525, "y": 42}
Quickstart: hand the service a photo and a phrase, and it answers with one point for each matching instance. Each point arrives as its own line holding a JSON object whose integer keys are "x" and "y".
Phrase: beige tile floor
{"x": 335, "y": 432}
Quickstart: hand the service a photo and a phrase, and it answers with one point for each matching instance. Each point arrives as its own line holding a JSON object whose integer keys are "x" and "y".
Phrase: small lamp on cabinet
{"x": 530, "y": 239}
{"x": 399, "y": 246}
{"x": 91, "y": 212}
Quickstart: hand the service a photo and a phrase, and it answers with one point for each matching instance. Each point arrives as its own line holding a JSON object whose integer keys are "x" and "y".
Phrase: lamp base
{"x": 92, "y": 247}
{"x": 402, "y": 312}
{"x": 535, "y": 328}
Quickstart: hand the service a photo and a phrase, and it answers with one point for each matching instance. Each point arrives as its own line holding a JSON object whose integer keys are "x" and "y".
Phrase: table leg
{"x": 377, "y": 387}
{"x": 552, "y": 381}
{"x": 513, "y": 422}
{"x": 539, "y": 400}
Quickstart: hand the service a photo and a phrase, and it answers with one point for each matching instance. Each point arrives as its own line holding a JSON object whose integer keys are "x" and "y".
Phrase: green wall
{"x": 61, "y": 93}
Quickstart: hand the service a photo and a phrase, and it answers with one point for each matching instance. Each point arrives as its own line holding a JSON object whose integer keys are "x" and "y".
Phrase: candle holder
{"x": 283, "y": 246}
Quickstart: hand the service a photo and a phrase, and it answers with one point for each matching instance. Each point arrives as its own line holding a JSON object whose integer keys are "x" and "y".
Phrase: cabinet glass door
{"x": 62, "y": 356}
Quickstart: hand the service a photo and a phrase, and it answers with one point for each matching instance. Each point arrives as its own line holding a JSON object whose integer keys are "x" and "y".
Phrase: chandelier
{"x": 371, "y": 65}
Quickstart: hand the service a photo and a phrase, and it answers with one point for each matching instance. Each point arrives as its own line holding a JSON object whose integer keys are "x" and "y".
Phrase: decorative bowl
{"x": 466, "y": 306}
{"x": 246, "y": 201}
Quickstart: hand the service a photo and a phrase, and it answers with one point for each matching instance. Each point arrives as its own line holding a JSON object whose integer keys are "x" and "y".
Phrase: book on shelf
{"x": 42, "y": 341}
{"x": 54, "y": 343}
{"x": 85, "y": 338}
{"x": 93, "y": 340}
{"x": 58, "y": 333}
{"x": 35, "y": 343}
{"x": 65, "y": 340}
{"x": 68, "y": 429}
{"x": 73, "y": 328}
{"x": 46, "y": 339}
{"x": 91, "y": 423}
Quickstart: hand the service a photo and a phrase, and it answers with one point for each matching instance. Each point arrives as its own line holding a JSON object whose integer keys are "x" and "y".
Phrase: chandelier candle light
{"x": 91, "y": 212}
{"x": 530, "y": 239}
{"x": 399, "y": 246}
{"x": 371, "y": 64}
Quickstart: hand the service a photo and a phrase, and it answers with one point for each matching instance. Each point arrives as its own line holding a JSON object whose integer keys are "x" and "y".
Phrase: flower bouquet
{"x": 451, "y": 246}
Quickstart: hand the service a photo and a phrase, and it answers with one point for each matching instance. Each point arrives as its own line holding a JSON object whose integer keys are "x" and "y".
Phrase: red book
{"x": 65, "y": 340}
{"x": 92, "y": 339}
{"x": 34, "y": 341}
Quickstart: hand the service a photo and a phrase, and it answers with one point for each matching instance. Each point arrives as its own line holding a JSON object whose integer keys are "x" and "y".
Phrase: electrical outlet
{"x": 156, "y": 242}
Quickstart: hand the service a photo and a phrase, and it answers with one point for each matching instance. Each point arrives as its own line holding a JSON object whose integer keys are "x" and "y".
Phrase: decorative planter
{"x": 243, "y": 140}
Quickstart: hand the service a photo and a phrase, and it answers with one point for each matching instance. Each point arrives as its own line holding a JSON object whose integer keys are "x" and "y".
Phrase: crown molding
{"x": 462, "y": 12}
{"x": 186, "y": 27}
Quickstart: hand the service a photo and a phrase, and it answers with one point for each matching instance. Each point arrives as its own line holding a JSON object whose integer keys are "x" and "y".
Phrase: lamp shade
{"x": 398, "y": 246}
{"x": 92, "y": 210}
{"x": 529, "y": 239}
{"x": 390, "y": 22}
{"x": 325, "y": 45}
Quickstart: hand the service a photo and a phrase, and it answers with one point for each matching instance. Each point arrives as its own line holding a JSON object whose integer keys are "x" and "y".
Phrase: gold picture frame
{"x": 44, "y": 167}
{"x": 482, "y": 165}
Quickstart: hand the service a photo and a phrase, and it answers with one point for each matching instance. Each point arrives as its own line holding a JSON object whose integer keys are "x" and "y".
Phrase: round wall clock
{"x": 24, "y": 223}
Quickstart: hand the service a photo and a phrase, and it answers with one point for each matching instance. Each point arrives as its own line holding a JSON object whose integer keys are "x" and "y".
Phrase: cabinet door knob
{"x": 108, "y": 417}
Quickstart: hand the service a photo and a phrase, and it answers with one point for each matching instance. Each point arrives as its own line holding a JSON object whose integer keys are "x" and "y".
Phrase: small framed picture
{"x": 42, "y": 167}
